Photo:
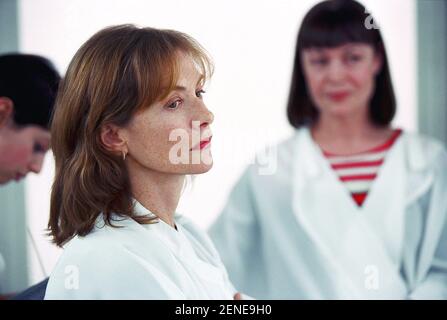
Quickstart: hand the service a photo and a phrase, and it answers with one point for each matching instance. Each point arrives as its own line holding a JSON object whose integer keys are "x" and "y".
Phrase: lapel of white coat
{"x": 351, "y": 239}
{"x": 421, "y": 179}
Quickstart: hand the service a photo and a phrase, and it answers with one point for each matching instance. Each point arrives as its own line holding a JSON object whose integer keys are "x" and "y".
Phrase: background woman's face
{"x": 173, "y": 135}
{"x": 341, "y": 80}
{"x": 22, "y": 150}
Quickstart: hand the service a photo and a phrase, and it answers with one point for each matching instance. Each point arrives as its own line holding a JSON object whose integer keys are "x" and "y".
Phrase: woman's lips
{"x": 203, "y": 144}
{"x": 338, "y": 96}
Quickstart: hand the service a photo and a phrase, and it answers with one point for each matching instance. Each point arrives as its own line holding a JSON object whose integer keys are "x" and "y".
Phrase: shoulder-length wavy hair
{"x": 117, "y": 72}
{"x": 330, "y": 24}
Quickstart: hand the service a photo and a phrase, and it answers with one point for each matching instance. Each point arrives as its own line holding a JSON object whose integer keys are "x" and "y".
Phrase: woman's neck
{"x": 158, "y": 192}
{"x": 348, "y": 134}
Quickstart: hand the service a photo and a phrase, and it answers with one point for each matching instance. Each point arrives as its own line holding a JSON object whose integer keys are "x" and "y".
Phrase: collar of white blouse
{"x": 184, "y": 245}
{"x": 141, "y": 210}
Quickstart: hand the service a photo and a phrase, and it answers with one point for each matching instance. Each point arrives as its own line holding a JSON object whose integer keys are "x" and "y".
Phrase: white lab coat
{"x": 140, "y": 262}
{"x": 297, "y": 234}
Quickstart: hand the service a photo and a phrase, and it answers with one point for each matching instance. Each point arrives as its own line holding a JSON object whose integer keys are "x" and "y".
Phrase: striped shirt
{"x": 358, "y": 171}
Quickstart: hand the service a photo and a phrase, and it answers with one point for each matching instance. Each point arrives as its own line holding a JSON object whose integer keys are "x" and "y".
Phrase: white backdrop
{"x": 252, "y": 43}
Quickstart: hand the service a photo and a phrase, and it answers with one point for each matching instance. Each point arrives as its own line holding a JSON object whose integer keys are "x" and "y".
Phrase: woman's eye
{"x": 38, "y": 148}
{"x": 354, "y": 58}
{"x": 174, "y": 105}
{"x": 319, "y": 62}
{"x": 199, "y": 94}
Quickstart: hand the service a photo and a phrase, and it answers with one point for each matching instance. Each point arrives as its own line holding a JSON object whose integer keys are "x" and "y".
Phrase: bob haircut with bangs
{"x": 330, "y": 24}
{"x": 119, "y": 71}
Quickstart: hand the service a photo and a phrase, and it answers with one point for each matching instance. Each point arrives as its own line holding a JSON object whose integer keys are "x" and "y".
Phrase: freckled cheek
{"x": 168, "y": 136}
{"x": 177, "y": 133}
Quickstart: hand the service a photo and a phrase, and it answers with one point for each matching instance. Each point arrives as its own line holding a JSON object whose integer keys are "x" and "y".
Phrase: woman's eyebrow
{"x": 314, "y": 51}
{"x": 183, "y": 88}
{"x": 180, "y": 88}
{"x": 354, "y": 46}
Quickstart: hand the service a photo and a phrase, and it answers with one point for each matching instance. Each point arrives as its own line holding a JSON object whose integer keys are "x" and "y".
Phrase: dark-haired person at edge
{"x": 357, "y": 208}
{"x": 129, "y": 94}
{"x": 28, "y": 86}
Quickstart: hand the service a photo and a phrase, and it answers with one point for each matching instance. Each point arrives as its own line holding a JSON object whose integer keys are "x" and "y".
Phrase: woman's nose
{"x": 206, "y": 117}
{"x": 36, "y": 164}
{"x": 209, "y": 118}
{"x": 336, "y": 71}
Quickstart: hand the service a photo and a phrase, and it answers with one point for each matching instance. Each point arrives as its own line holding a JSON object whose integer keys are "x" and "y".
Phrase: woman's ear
{"x": 378, "y": 63}
{"x": 112, "y": 138}
{"x": 6, "y": 111}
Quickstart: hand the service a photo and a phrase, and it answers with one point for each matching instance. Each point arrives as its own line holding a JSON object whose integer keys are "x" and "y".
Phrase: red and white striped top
{"x": 358, "y": 171}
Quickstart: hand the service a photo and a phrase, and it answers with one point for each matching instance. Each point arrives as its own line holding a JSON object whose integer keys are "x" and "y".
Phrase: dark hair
{"x": 31, "y": 83}
{"x": 329, "y": 24}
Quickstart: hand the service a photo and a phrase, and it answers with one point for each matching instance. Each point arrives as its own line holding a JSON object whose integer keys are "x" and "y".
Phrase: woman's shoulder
{"x": 423, "y": 140}
{"x": 101, "y": 244}
{"x": 424, "y": 150}
{"x": 124, "y": 255}
{"x": 111, "y": 245}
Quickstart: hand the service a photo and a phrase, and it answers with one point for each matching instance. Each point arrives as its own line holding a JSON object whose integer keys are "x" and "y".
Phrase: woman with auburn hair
{"x": 128, "y": 95}
{"x": 357, "y": 208}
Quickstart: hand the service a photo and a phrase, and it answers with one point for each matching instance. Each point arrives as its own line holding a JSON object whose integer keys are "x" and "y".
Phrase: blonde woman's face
{"x": 341, "y": 80}
{"x": 173, "y": 135}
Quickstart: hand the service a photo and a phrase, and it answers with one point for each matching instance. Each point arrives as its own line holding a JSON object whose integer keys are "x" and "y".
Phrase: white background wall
{"x": 252, "y": 43}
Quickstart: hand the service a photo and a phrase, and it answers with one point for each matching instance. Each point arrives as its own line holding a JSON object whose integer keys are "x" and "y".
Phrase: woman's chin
{"x": 341, "y": 110}
{"x": 200, "y": 168}
{"x": 197, "y": 168}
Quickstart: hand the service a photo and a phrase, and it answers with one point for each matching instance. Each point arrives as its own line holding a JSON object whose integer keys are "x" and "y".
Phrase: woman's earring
{"x": 124, "y": 155}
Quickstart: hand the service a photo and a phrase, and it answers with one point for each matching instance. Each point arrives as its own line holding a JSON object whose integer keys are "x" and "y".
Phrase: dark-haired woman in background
{"x": 357, "y": 209}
